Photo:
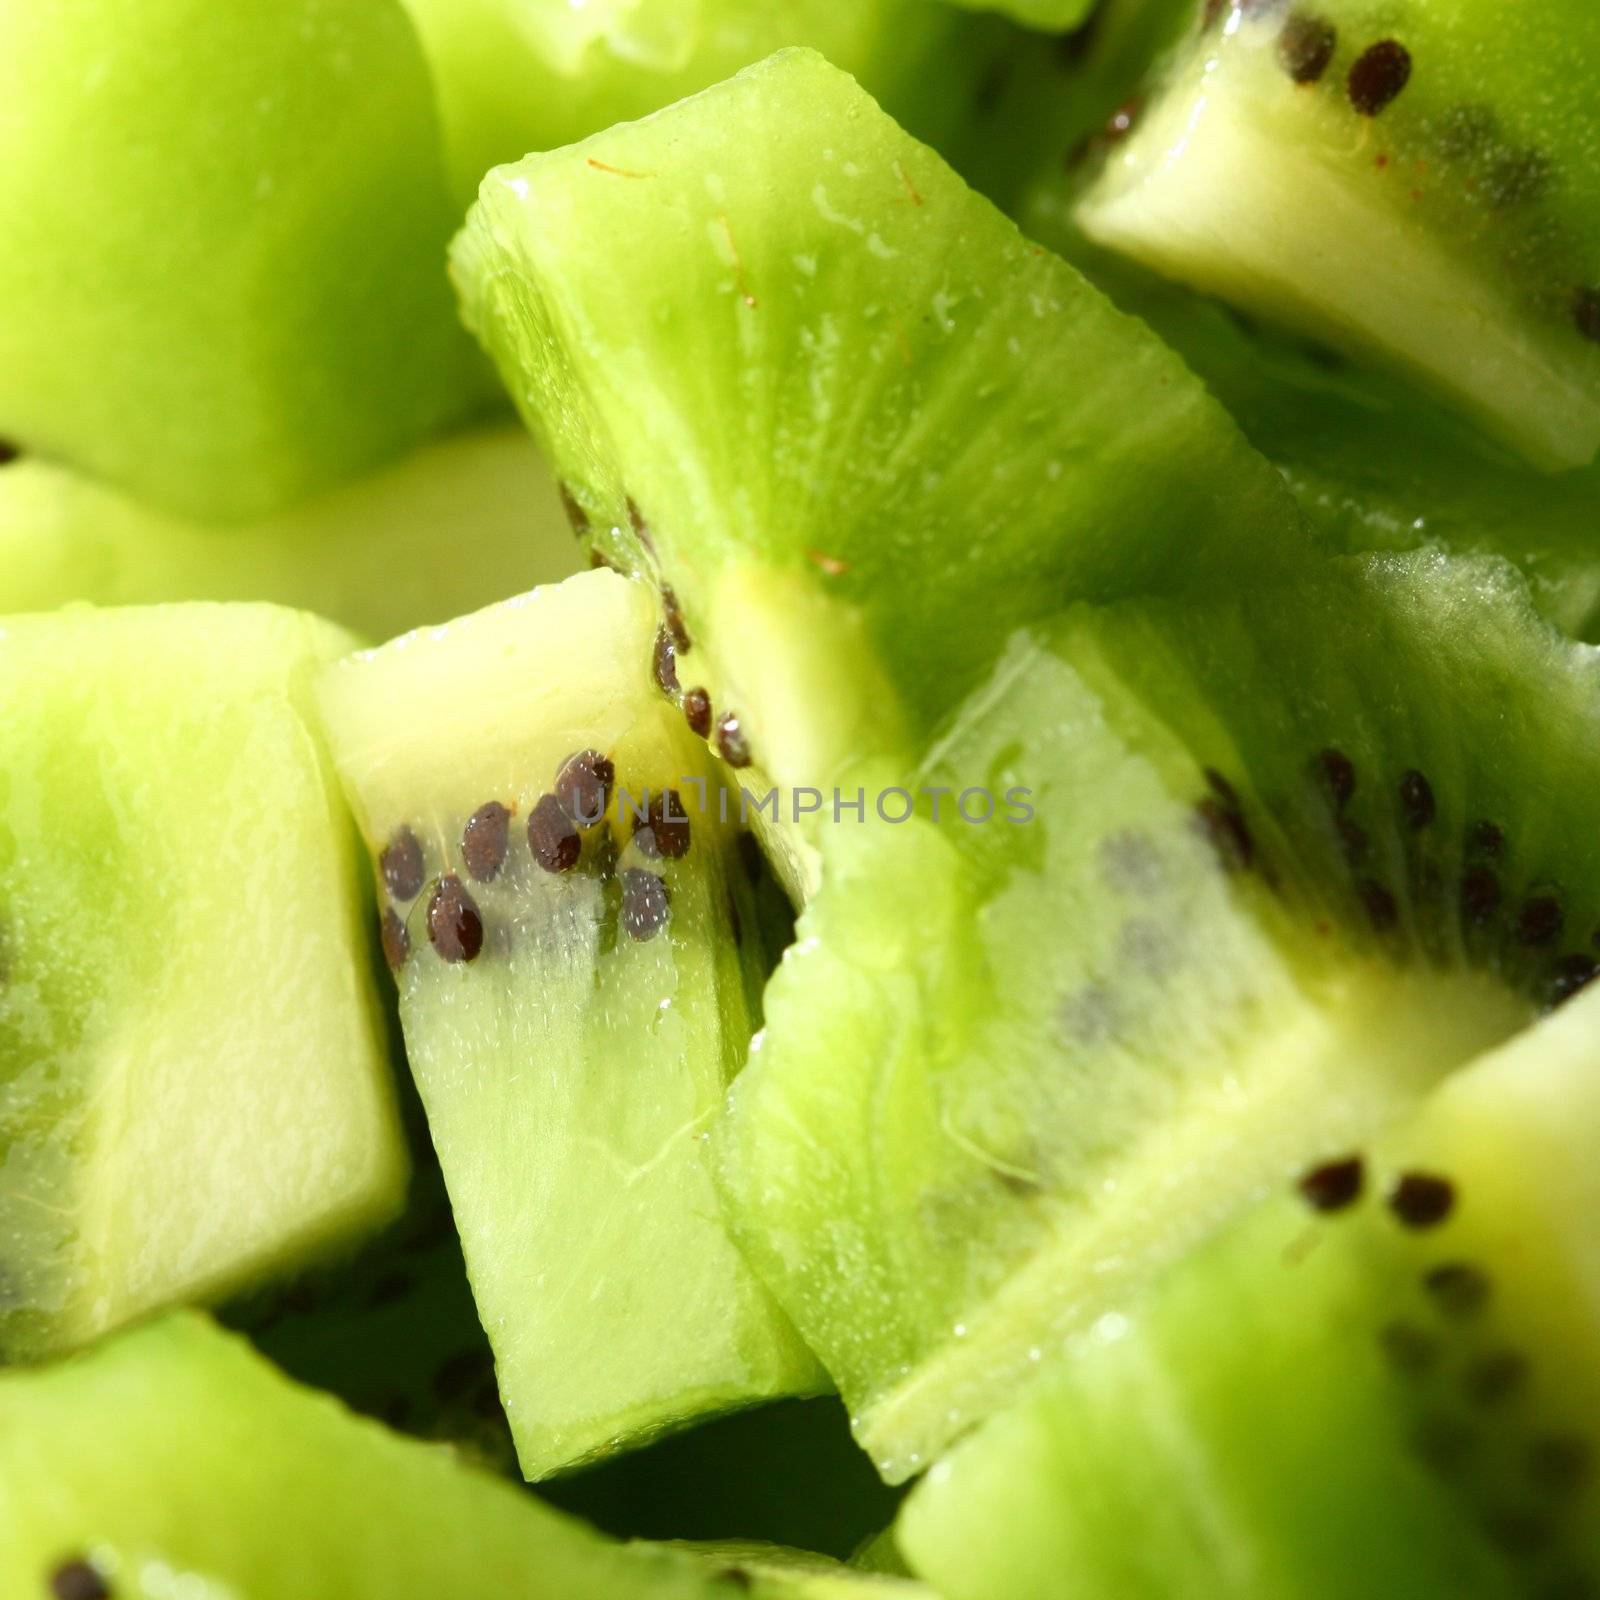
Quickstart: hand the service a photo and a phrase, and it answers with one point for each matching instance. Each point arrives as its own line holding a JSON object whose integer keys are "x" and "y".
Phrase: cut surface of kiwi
{"x": 1414, "y": 183}
{"x": 220, "y": 237}
{"x": 174, "y": 1460}
{"x": 1283, "y": 859}
{"x": 579, "y": 954}
{"x": 454, "y": 526}
{"x": 855, "y": 423}
{"x": 1382, "y": 1381}
{"x": 194, "y": 1076}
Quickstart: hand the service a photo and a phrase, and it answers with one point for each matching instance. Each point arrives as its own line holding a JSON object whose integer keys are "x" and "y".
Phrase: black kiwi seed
{"x": 664, "y": 663}
{"x": 1560, "y": 1462}
{"x": 731, "y": 743}
{"x": 1495, "y": 1377}
{"x": 1378, "y": 75}
{"x": 1422, "y": 1200}
{"x": 1416, "y": 799}
{"x": 1227, "y": 832}
{"x": 1570, "y": 974}
{"x": 583, "y": 786}
{"x": 1586, "y": 313}
{"x": 1458, "y": 1288}
{"x": 577, "y": 518}
{"x": 1222, "y": 789}
{"x": 1480, "y": 895}
{"x": 672, "y": 615}
{"x": 1540, "y": 920}
{"x": 396, "y": 940}
{"x": 1408, "y": 1349}
{"x": 1338, "y": 776}
{"x": 1517, "y": 1532}
{"x": 664, "y": 828}
{"x": 8, "y": 452}
{"x": 1488, "y": 839}
{"x": 455, "y": 929}
{"x": 1334, "y": 1185}
{"x": 78, "y": 1580}
{"x": 1383, "y": 912}
{"x": 646, "y": 904}
{"x": 401, "y": 865}
{"x": 697, "y": 712}
{"x": 1306, "y": 46}
{"x": 553, "y": 836}
{"x": 484, "y": 839}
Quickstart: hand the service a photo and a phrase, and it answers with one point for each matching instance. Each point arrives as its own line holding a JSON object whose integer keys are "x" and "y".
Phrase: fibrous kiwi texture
{"x": 174, "y": 1460}
{"x": 1382, "y": 1381}
{"x": 194, "y": 1074}
{"x": 453, "y": 526}
{"x": 579, "y": 952}
{"x": 216, "y": 219}
{"x": 1288, "y": 857}
{"x": 521, "y": 75}
{"x": 855, "y": 424}
{"x": 1414, "y": 183}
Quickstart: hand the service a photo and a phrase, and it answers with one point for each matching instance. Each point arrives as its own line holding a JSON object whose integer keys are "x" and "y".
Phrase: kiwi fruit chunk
{"x": 1381, "y": 1381}
{"x": 174, "y": 1460}
{"x": 454, "y": 526}
{"x": 579, "y": 957}
{"x": 794, "y": 371}
{"x": 521, "y": 75}
{"x": 175, "y": 859}
{"x": 1218, "y": 883}
{"x": 1409, "y": 183}
{"x": 220, "y": 238}
{"x": 772, "y": 1572}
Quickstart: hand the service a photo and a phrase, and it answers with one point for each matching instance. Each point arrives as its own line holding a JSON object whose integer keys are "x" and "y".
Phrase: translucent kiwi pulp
{"x": 1287, "y": 858}
{"x": 175, "y": 860}
{"x": 454, "y": 526}
{"x": 579, "y": 953}
{"x": 173, "y": 1460}
{"x": 522, "y": 75}
{"x": 1382, "y": 1381}
{"x": 1415, "y": 182}
{"x": 860, "y": 428}
{"x": 236, "y": 302}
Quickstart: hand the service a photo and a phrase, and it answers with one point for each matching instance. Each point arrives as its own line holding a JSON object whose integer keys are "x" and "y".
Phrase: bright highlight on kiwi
{"x": 904, "y": 896}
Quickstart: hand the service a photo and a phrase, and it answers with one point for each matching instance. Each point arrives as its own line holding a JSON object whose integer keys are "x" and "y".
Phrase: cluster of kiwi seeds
{"x": 569, "y": 828}
{"x": 725, "y": 732}
{"x": 1520, "y": 931}
{"x": 1466, "y": 1384}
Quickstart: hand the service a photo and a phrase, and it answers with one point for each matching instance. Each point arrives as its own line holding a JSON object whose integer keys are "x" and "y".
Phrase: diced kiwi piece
{"x": 579, "y": 959}
{"x": 1384, "y": 1381}
{"x": 773, "y": 1573}
{"x": 1412, "y": 182}
{"x": 454, "y": 526}
{"x": 1219, "y": 883}
{"x": 522, "y": 75}
{"x": 194, "y": 1076}
{"x": 857, "y": 425}
{"x": 175, "y": 1461}
{"x": 221, "y": 236}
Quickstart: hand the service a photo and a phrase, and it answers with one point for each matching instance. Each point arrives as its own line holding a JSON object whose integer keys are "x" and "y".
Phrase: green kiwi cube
{"x": 174, "y": 1460}
{"x": 1219, "y": 882}
{"x": 579, "y": 956}
{"x": 221, "y": 238}
{"x": 1382, "y": 1381}
{"x": 1414, "y": 183}
{"x": 194, "y": 1075}
{"x": 795, "y": 371}
{"x": 454, "y": 525}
